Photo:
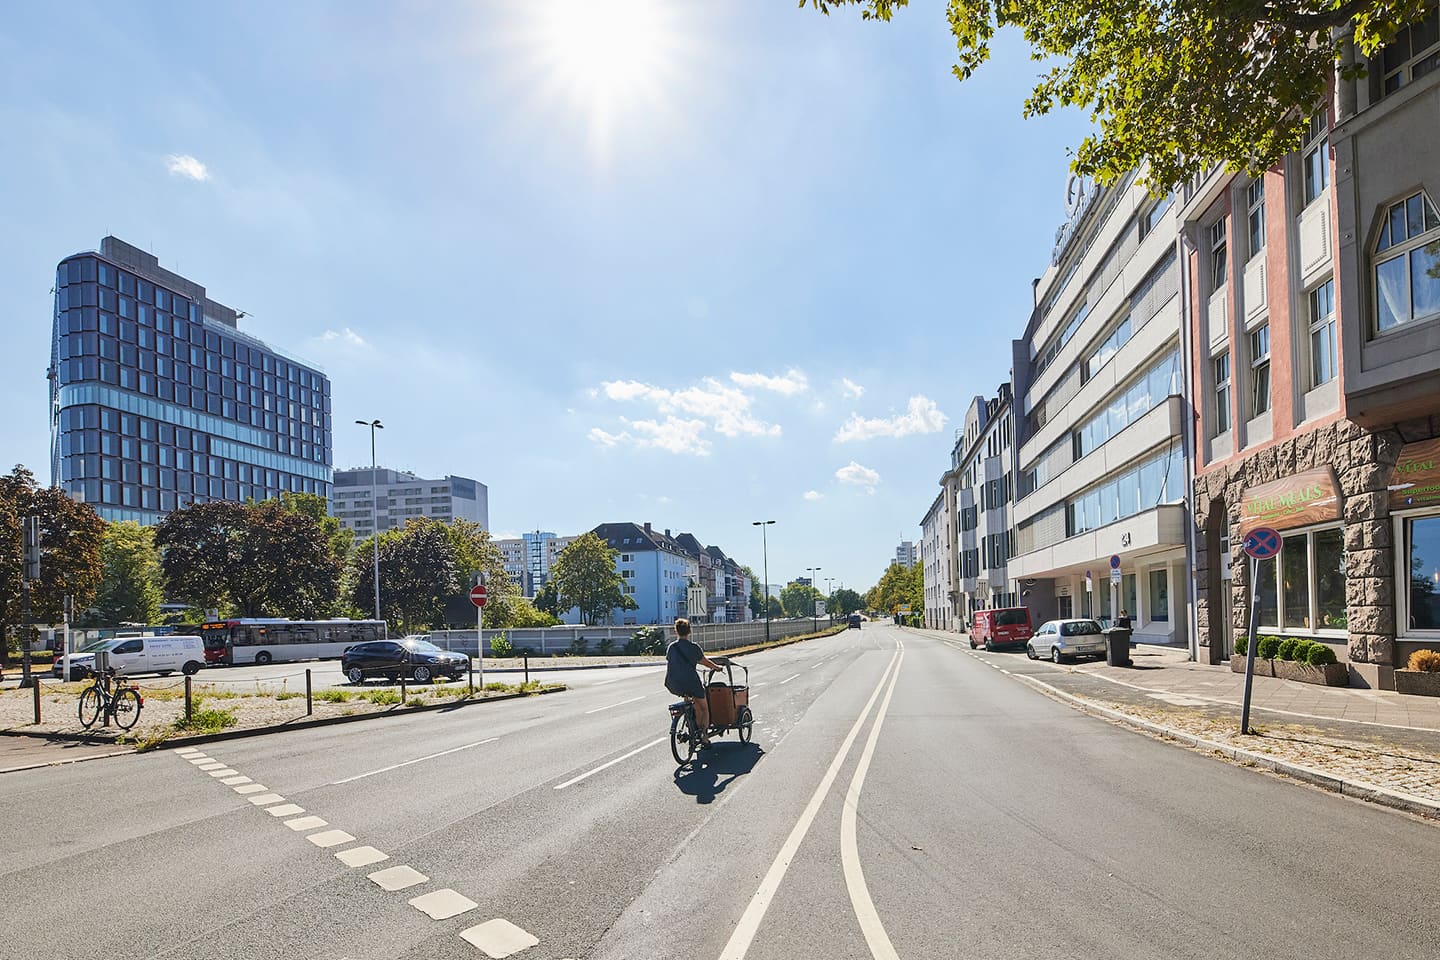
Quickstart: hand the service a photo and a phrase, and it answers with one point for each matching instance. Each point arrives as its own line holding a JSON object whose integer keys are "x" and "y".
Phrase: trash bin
{"x": 1117, "y": 646}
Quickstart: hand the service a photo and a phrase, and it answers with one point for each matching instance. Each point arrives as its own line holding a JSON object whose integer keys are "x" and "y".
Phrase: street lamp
{"x": 814, "y": 618}
{"x": 765, "y": 555}
{"x": 374, "y": 506}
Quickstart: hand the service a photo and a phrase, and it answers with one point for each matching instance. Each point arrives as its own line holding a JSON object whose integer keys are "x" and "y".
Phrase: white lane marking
{"x": 330, "y": 838}
{"x": 870, "y": 924}
{"x": 187, "y": 751}
{"x": 499, "y": 938}
{"x": 305, "y": 823}
{"x": 613, "y": 705}
{"x": 603, "y": 682}
{"x": 227, "y": 772}
{"x": 251, "y": 788}
{"x": 265, "y": 798}
{"x": 739, "y": 944}
{"x": 397, "y": 766}
{"x": 443, "y": 904}
{"x": 397, "y": 878}
{"x": 818, "y": 665}
{"x": 231, "y": 781}
{"x": 361, "y": 856}
{"x": 787, "y": 680}
{"x": 211, "y": 765}
{"x": 604, "y": 766}
{"x": 285, "y": 810}
{"x": 200, "y": 758}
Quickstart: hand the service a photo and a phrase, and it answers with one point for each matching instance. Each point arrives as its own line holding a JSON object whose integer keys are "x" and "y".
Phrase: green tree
{"x": 476, "y": 553}
{"x": 585, "y": 577}
{"x": 776, "y": 609}
{"x": 798, "y": 600}
{"x": 314, "y": 506}
{"x": 845, "y": 601}
{"x": 130, "y": 587}
{"x": 547, "y": 600}
{"x": 70, "y": 537}
{"x": 1179, "y": 85}
{"x": 898, "y": 586}
{"x": 419, "y": 569}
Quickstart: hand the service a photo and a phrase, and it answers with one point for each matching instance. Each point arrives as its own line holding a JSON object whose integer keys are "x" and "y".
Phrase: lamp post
{"x": 374, "y": 506}
{"x": 765, "y": 564}
{"x": 814, "y": 619}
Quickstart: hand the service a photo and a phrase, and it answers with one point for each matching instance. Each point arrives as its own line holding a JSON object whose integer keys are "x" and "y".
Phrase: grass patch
{"x": 207, "y": 721}
{"x": 382, "y": 697}
{"x": 288, "y": 695}
{"x": 333, "y": 696}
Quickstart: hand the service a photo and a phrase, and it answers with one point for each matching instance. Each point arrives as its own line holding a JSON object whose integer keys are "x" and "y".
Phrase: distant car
{"x": 420, "y": 660}
{"x": 854, "y": 621}
{"x": 1058, "y": 640}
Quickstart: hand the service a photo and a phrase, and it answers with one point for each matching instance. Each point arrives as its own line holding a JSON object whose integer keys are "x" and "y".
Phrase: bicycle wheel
{"x": 745, "y": 724}
{"x": 682, "y": 737}
{"x": 89, "y": 706}
{"x": 126, "y": 707}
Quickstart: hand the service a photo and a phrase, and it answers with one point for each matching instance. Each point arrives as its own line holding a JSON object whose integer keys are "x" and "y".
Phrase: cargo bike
{"x": 729, "y": 704}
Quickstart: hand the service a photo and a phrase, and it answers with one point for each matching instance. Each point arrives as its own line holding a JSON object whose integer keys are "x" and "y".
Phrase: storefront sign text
{"x": 1416, "y": 480}
{"x": 1296, "y": 501}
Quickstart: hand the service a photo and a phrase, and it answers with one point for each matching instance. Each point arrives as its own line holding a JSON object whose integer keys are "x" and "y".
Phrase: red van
{"x": 1001, "y": 627}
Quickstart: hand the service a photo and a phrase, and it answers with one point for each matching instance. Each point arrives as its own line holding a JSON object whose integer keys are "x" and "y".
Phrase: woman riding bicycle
{"x": 682, "y": 676}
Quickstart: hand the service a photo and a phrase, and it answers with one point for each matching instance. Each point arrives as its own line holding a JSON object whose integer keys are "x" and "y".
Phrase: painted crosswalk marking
{"x": 361, "y": 856}
{"x": 397, "y": 878}
{"x": 330, "y": 838}
{"x": 443, "y": 904}
{"x": 306, "y": 823}
{"x": 226, "y": 772}
{"x": 265, "y": 799}
{"x": 251, "y": 788}
{"x": 498, "y": 938}
{"x": 285, "y": 810}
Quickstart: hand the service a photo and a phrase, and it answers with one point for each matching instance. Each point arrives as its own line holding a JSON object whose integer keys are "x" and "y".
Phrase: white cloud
{"x": 789, "y": 385}
{"x": 184, "y": 165}
{"x": 346, "y": 337}
{"x": 721, "y": 408}
{"x": 673, "y": 435}
{"x": 813, "y": 495}
{"x": 921, "y": 416}
{"x": 858, "y": 475}
{"x": 850, "y": 388}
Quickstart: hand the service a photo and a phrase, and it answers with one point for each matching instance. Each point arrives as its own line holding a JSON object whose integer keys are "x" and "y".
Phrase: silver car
{"x": 1059, "y": 639}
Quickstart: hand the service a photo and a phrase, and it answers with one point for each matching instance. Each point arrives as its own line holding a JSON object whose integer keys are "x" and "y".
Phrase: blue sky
{"x": 691, "y": 263}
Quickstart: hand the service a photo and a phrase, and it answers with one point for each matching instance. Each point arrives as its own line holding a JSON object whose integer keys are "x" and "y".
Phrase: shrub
{"x": 1426, "y": 660}
{"x": 1319, "y": 655}
{"x": 1242, "y": 644}
{"x": 1287, "y": 649}
{"x": 332, "y": 696}
{"x": 207, "y": 721}
{"x": 579, "y": 647}
{"x": 1267, "y": 647}
{"x": 646, "y": 641}
{"x": 605, "y": 646}
{"x": 383, "y": 697}
{"x": 500, "y": 646}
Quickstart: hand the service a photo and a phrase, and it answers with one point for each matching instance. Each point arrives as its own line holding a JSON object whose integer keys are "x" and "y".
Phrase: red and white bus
{"x": 258, "y": 640}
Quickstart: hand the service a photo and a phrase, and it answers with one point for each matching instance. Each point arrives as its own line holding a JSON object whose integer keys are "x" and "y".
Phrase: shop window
{"x": 1265, "y": 586}
{"x": 1260, "y": 370}
{"x": 1329, "y": 549}
{"x": 1422, "y": 541}
{"x": 1295, "y": 591}
{"x": 1159, "y": 596}
{"x": 1407, "y": 263}
{"x": 1127, "y": 594}
{"x": 1309, "y": 593}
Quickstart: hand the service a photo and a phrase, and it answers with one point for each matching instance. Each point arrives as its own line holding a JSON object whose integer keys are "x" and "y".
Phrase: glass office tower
{"x": 158, "y": 400}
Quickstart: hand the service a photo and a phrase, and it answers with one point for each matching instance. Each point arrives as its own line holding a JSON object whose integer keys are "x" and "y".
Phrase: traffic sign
{"x": 1089, "y": 582}
{"x": 1262, "y": 543}
{"x": 1114, "y": 562}
{"x": 477, "y": 595}
{"x": 1114, "y": 574}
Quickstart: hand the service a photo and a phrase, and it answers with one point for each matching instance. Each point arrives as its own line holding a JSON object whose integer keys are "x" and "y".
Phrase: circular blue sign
{"x": 1114, "y": 563}
{"x": 1262, "y": 543}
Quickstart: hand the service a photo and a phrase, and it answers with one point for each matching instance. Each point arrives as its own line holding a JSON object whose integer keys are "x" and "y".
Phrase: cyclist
{"x": 682, "y": 676}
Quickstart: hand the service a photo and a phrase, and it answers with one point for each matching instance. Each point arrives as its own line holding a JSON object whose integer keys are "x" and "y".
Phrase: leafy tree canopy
{"x": 130, "y": 588}
{"x": 419, "y": 569}
{"x": 1179, "y": 85}
{"x": 898, "y": 586}
{"x": 845, "y": 601}
{"x": 798, "y": 600}
{"x": 584, "y": 576}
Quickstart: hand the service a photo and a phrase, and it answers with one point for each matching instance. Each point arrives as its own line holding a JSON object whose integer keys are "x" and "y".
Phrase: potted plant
{"x": 1423, "y": 676}
{"x": 1293, "y": 658}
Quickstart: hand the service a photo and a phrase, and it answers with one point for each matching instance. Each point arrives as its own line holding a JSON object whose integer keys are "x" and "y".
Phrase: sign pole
{"x": 479, "y": 635}
{"x": 1250, "y": 647}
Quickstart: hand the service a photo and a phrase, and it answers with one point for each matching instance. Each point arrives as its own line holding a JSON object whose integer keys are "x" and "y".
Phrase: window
{"x": 1159, "y": 596}
{"x": 1217, "y": 254}
{"x": 1414, "y": 52}
{"x": 1316, "y": 158}
{"x": 1255, "y": 216}
{"x": 1422, "y": 543}
{"x": 1407, "y": 263}
{"x": 1260, "y": 370}
{"x": 1221, "y": 365}
{"x": 1141, "y": 488}
{"x": 1303, "y": 590}
{"x": 1153, "y": 216}
{"x": 1322, "y": 334}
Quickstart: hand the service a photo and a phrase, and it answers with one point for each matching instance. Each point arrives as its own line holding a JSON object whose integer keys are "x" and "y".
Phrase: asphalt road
{"x": 901, "y": 799}
{"x": 326, "y": 673}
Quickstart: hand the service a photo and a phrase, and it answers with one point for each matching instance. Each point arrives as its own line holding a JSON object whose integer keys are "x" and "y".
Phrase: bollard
{"x": 472, "y": 676}
{"x": 35, "y": 690}
{"x": 189, "y": 703}
{"x": 527, "y": 666}
{"x": 309, "y": 695}
{"x": 402, "y": 688}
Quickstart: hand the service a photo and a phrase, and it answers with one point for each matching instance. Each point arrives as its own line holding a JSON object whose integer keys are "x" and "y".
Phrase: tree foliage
{"x": 70, "y": 537}
{"x": 249, "y": 560}
{"x": 1179, "y": 85}
{"x": 585, "y": 577}
{"x": 130, "y": 588}
{"x": 898, "y": 586}
{"x": 845, "y": 601}
{"x": 798, "y": 600}
{"x": 419, "y": 569}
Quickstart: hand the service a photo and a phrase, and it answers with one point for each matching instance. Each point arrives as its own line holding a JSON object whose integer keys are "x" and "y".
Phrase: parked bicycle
{"x": 112, "y": 697}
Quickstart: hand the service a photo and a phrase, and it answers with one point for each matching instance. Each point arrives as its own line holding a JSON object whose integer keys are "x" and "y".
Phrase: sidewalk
{"x": 1375, "y": 744}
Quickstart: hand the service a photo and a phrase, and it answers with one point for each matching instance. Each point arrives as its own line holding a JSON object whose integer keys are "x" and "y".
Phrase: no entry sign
{"x": 477, "y": 595}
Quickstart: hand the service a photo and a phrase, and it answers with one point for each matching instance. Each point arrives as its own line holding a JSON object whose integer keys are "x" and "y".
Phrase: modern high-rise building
{"x": 530, "y": 557}
{"x": 906, "y": 553}
{"x": 158, "y": 400}
{"x": 397, "y": 496}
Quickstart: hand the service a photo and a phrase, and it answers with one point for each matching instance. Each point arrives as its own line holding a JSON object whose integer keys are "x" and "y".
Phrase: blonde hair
{"x": 682, "y": 627}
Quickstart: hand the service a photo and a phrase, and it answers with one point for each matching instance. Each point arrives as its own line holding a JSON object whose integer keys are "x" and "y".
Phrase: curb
{"x": 61, "y": 763}
{"x": 397, "y": 710}
{"x": 1355, "y": 789}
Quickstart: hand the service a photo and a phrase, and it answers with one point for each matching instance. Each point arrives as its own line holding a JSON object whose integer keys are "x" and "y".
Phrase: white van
{"x": 135, "y": 655}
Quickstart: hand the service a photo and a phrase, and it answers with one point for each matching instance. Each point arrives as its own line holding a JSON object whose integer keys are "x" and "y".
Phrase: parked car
{"x": 135, "y": 655}
{"x": 1061, "y": 639}
{"x": 417, "y": 659}
{"x": 1000, "y": 627}
{"x": 854, "y": 621}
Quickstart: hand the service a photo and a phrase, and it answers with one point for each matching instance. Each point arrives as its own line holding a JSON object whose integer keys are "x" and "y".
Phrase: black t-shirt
{"x": 681, "y": 657}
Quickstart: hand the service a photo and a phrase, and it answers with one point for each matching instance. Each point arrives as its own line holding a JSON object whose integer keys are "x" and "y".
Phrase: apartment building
{"x": 982, "y": 464}
{"x": 906, "y": 553}
{"x": 366, "y": 499}
{"x": 1099, "y": 419}
{"x": 1315, "y": 298}
{"x": 661, "y": 573}
{"x": 530, "y": 557}
{"x": 936, "y": 548}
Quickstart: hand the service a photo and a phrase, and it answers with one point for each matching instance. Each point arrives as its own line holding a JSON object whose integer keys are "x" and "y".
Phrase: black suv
{"x": 420, "y": 660}
{"x": 854, "y": 621}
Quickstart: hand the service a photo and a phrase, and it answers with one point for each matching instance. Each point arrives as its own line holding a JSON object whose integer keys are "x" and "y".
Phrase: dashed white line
{"x": 443, "y": 904}
{"x": 211, "y": 765}
{"x": 787, "y": 680}
{"x": 397, "y": 878}
{"x": 397, "y": 766}
{"x": 265, "y": 799}
{"x": 574, "y": 780}
{"x": 227, "y": 772}
{"x": 614, "y": 705}
{"x": 285, "y": 810}
{"x": 200, "y": 758}
{"x": 305, "y": 823}
{"x": 231, "y": 781}
{"x": 499, "y": 938}
{"x": 361, "y": 856}
{"x": 251, "y": 788}
{"x": 330, "y": 838}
